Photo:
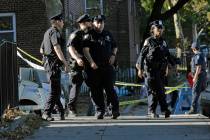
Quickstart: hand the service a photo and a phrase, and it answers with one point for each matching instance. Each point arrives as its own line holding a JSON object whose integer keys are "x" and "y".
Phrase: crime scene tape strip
{"x": 171, "y": 89}
{"x": 33, "y": 65}
{"x": 32, "y": 57}
{"x": 127, "y": 84}
{"x": 116, "y": 83}
{"x": 139, "y": 85}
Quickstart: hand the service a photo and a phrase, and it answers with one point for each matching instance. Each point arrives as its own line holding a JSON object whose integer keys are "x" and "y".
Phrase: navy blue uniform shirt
{"x": 101, "y": 46}
{"x": 75, "y": 40}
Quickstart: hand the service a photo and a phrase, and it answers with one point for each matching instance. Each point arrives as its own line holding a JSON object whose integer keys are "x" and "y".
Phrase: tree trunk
{"x": 195, "y": 32}
{"x": 178, "y": 30}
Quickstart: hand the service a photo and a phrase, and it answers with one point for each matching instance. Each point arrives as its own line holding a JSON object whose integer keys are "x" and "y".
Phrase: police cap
{"x": 157, "y": 23}
{"x": 83, "y": 18}
{"x": 194, "y": 46}
{"x": 57, "y": 17}
{"x": 99, "y": 18}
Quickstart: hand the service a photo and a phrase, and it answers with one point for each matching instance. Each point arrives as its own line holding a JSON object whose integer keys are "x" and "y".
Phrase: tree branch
{"x": 156, "y": 10}
{"x": 174, "y": 9}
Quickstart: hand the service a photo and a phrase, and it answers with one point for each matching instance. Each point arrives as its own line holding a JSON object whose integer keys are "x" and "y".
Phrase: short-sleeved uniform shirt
{"x": 52, "y": 37}
{"x": 75, "y": 40}
{"x": 198, "y": 59}
{"x": 100, "y": 45}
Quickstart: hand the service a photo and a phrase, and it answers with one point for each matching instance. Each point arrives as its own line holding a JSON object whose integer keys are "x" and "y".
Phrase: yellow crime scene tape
{"x": 32, "y": 57}
{"x": 171, "y": 89}
{"x": 117, "y": 82}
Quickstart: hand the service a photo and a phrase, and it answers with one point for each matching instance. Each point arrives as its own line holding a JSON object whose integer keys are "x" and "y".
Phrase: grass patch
{"x": 31, "y": 122}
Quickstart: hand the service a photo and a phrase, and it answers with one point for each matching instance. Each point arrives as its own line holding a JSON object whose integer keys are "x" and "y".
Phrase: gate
{"x": 8, "y": 75}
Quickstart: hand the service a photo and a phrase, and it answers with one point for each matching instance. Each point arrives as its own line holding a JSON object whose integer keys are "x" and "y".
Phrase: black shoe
{"x": 167, "y": 114}
{"x": 115, "y": 115}
{"x": 47, "y": 117}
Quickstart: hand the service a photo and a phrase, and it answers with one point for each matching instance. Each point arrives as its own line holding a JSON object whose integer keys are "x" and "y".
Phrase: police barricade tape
{"x": 33, "y": 65}
{"x": 30, "y": 56}
{"x": 119, "y": 83}
{"x": 171, "y": 89}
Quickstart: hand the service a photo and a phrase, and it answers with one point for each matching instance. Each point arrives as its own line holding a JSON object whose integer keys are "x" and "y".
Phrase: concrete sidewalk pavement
{"x": 185, "y": 127}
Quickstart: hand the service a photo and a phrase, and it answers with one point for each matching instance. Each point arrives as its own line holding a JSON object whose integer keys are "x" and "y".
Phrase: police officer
{"x": 53, "y": 60}
{"x": 77, "y": 60}
{"x": 151, "y": 61}
{"x": 198, "y": 69}
{"x": 101, "y": 55}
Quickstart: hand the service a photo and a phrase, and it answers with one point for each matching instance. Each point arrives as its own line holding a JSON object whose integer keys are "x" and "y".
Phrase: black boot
{"x": 167, "y": 114}
{"x": 115, "y": 114}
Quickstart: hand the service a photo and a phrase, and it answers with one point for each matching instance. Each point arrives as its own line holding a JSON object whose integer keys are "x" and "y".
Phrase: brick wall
{"x": 31, "y": 22}
{"x": 117, "y": 23}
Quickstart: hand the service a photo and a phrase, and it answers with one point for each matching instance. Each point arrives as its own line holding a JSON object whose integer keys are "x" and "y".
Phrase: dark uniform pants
{"x": 198, "y": 87}
{"x": 99, "y": 80}
{"x": 76, "y": 80}
{"x": 108, "y": 76}
{"x": 156, "y": 92}
{"x": 54, "y": 76}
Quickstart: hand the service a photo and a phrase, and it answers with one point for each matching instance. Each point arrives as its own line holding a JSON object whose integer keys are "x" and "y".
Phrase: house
{"x": 25, "y": 22}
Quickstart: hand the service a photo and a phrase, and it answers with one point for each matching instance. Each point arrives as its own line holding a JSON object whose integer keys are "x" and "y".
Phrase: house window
{"x": 7, "y": 27}
{"x": 94, "y": 7}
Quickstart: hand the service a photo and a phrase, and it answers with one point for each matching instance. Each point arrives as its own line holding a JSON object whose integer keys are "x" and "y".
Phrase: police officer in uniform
{"x": 198, "y": 69}
{"x": 100, "y": 50}
{"x": 152, "y": 60}
{"x": 53, "y": 60}
{"x": 77, "y": 60}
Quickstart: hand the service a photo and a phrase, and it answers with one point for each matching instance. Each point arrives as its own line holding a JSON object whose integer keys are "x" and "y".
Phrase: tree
{"x": 178, "y": 29}
{"x": 198, "y": 11}
{"x": 156, "y": 12}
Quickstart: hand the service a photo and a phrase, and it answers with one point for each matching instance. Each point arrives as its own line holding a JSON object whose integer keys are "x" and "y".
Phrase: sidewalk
{"x": 193, "y": 127}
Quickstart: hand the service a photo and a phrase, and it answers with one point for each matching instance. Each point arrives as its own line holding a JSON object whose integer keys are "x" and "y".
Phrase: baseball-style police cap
{"x": 83, "y": 18}
{"x": 157, "y": 23}
{"x": 99, "y": 18}
{"x": 57, "y": 17}
{"x": 194, "y": 46}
